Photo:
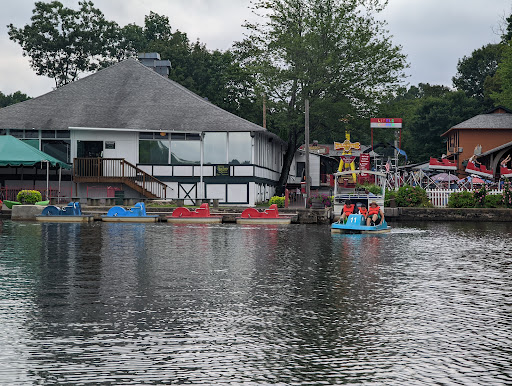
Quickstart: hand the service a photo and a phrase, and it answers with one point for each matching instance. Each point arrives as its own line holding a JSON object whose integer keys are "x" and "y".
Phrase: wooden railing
{"x": 118, "y": 170}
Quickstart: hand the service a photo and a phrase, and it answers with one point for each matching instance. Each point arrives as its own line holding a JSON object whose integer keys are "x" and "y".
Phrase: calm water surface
{"x": 225, "y": 304}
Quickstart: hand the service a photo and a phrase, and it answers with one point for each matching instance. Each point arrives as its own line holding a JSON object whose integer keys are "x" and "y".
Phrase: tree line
{"x": 335, "y": 53}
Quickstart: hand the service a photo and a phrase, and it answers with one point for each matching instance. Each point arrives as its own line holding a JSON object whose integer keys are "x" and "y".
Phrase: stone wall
{"x": 449, "y": 214}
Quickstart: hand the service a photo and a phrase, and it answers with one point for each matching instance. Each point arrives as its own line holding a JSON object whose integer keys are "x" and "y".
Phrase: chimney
{"x": 152, "y": 60}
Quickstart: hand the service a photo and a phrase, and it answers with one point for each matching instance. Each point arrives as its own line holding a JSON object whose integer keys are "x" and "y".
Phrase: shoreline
{"x": 326, "y": 216}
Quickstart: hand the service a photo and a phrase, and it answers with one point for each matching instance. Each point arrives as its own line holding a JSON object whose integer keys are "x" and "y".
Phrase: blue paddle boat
{"x": 135, "y": 214}
{"x": 70, "y": 213}
{"x": 356, "y": 222}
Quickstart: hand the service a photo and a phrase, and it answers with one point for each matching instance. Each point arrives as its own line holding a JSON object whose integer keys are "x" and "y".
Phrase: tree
{"x": 473, "y": 71}
{"x": 428, "y": 111}
{"x": 333, "y": 52}
{"x": 6, "y": 100}
{"x": 62, "y": 42}
{"x": 503, "y": 96}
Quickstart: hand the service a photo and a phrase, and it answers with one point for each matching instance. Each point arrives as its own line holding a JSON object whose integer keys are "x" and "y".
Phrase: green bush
{"x": 372, "y": 188}
{"x": 389, "y": 195}
{"x": 507, "y": 194}
{"x": 461, "y": 200}
{"x": 408, "y": 196}
{"x": 29, "y": 196}
{"x": 279, "y": 201}
{"x": 479, "y": 196}
{"x": 326, "y": 200}
{"x": 493, "y": 201}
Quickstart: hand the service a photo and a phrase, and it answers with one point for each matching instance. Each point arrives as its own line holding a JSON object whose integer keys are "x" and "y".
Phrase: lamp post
{"x": 307, "y": 149}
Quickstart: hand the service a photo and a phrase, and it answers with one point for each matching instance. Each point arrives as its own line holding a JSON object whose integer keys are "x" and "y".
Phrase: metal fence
{"x": 11, "y": 192}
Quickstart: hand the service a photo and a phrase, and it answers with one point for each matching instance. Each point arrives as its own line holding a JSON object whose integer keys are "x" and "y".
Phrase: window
{"x": 59, "y": 149}
{"x": 63, "y": 134}
{"x": 215, "y": 148}
{"x": 155, "y": 152}
{"x": 240, "y": 148}
{"x": 185, "y": 149}
{"x": 48, "y": 134}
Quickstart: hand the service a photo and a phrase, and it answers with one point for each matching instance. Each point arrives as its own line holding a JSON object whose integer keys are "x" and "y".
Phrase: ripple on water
{"x": 153, "y": 303}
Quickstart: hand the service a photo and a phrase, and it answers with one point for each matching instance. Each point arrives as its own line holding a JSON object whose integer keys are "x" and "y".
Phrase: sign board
{"x": 386, "y": 123}
{"x": 222, "y": 170}
{"x": 110, "y": 145}
{"x": 348, "y": 159}
{"x": 364, "y": 163}
{"x": 347, "y": 145}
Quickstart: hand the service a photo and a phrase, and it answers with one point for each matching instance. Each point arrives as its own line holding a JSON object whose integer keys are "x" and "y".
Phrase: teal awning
{"x": 14, "y": 152}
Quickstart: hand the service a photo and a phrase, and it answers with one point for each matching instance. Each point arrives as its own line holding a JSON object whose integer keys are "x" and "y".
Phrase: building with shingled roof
{"x": 487, "y": 135}
{"x": 126, "y": 125}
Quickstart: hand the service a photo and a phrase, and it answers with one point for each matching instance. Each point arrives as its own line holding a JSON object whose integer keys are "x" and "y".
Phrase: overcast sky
{"x": 434, "y": 34}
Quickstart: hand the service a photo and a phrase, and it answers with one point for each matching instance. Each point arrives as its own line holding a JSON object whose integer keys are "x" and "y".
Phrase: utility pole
{"x": 264, "y": 112}
{"x": 307, "y": 149}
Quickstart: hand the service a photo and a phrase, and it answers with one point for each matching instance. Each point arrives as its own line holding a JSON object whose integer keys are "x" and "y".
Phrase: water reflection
{"x": 205, "y": 304}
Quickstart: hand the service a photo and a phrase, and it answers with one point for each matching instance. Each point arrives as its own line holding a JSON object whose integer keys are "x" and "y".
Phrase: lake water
{"x": 228, "y": 304}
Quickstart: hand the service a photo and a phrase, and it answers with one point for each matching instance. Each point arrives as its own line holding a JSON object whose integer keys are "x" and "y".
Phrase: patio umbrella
{"x": 445, "y": 177}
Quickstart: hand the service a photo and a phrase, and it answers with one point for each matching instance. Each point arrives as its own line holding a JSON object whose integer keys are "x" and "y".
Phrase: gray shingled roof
{"x": 487, "y": 121}
{"x": 126, "y": 95}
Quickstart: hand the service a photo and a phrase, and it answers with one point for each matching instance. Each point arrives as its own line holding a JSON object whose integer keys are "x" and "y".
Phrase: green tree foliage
{"x": 6, "y": 100}
{"x": 333, "y": 52}
{"x": 428, "y": 111}
{"x": 503, "y": 95}
{"x": 61, "y": 42}
{"x": 474, "y": 71}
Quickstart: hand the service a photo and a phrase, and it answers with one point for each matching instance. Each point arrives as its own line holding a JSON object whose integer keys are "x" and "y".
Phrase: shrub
{"x": 408, "y": 196}
{"x": 29, "y": 196}
{"x": 279, "y": 201}
{"x": 372, "y": 188}
{"x": 493, "y": 201}
{"x": 326, "y": 200}
{"x": 461, "y": 200}
{"x": 507, "y": 194}
{"x": 390, "y": 195}
{"x": 479, "y": 196}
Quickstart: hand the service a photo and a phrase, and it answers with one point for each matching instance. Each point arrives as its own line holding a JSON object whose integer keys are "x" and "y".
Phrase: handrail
{"x": 112, "y": 169}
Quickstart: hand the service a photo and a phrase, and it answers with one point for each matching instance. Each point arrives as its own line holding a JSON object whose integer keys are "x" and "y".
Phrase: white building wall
{"x": 126, "y": 143}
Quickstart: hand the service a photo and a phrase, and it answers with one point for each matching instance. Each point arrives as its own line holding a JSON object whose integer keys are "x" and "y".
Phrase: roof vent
{"x": 153, "y": 61}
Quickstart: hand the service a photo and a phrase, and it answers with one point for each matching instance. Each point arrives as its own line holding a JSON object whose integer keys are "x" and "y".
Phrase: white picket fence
{"x": 439, "y": 197}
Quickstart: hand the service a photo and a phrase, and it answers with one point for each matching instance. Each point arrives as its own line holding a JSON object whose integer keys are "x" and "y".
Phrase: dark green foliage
{"x": 479, "y": 197}
{"x": 473, "y": 71}
{"x": 461, "y": 200}
{"x": 507, "y": 194}
{"x": 6, "y": 100}
{"x": 428, "y": 111}
{"x": 408, "y": 196}
{"x": 493, "y": 201}
{"x": 62, "y": 42}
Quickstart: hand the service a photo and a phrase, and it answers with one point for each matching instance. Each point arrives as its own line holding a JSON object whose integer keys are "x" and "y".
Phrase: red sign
{"x": 348, "y": 159}
{"x": 393, "y": 123}
{"x": 364, "y": 161}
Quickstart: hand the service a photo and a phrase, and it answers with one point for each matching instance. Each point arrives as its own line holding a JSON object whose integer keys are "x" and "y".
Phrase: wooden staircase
{"x": 118, "y": 170}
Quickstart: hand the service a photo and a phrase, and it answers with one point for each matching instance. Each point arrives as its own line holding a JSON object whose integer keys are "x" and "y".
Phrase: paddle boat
{"x": 70, "y": 213}
{"x": 356, "y": 223}
{"x": 269, "y": 216}
{"x": 201, "y": 215}
{"x": 9, "y": 204}
{"x": 135, "y": 214}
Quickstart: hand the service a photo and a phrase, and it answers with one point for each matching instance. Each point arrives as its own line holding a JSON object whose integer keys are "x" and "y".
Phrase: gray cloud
{"x": 434, "y": 34}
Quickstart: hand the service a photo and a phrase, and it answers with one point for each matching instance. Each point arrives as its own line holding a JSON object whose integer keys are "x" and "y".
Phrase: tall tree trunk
{"x": 287, "y": 162}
